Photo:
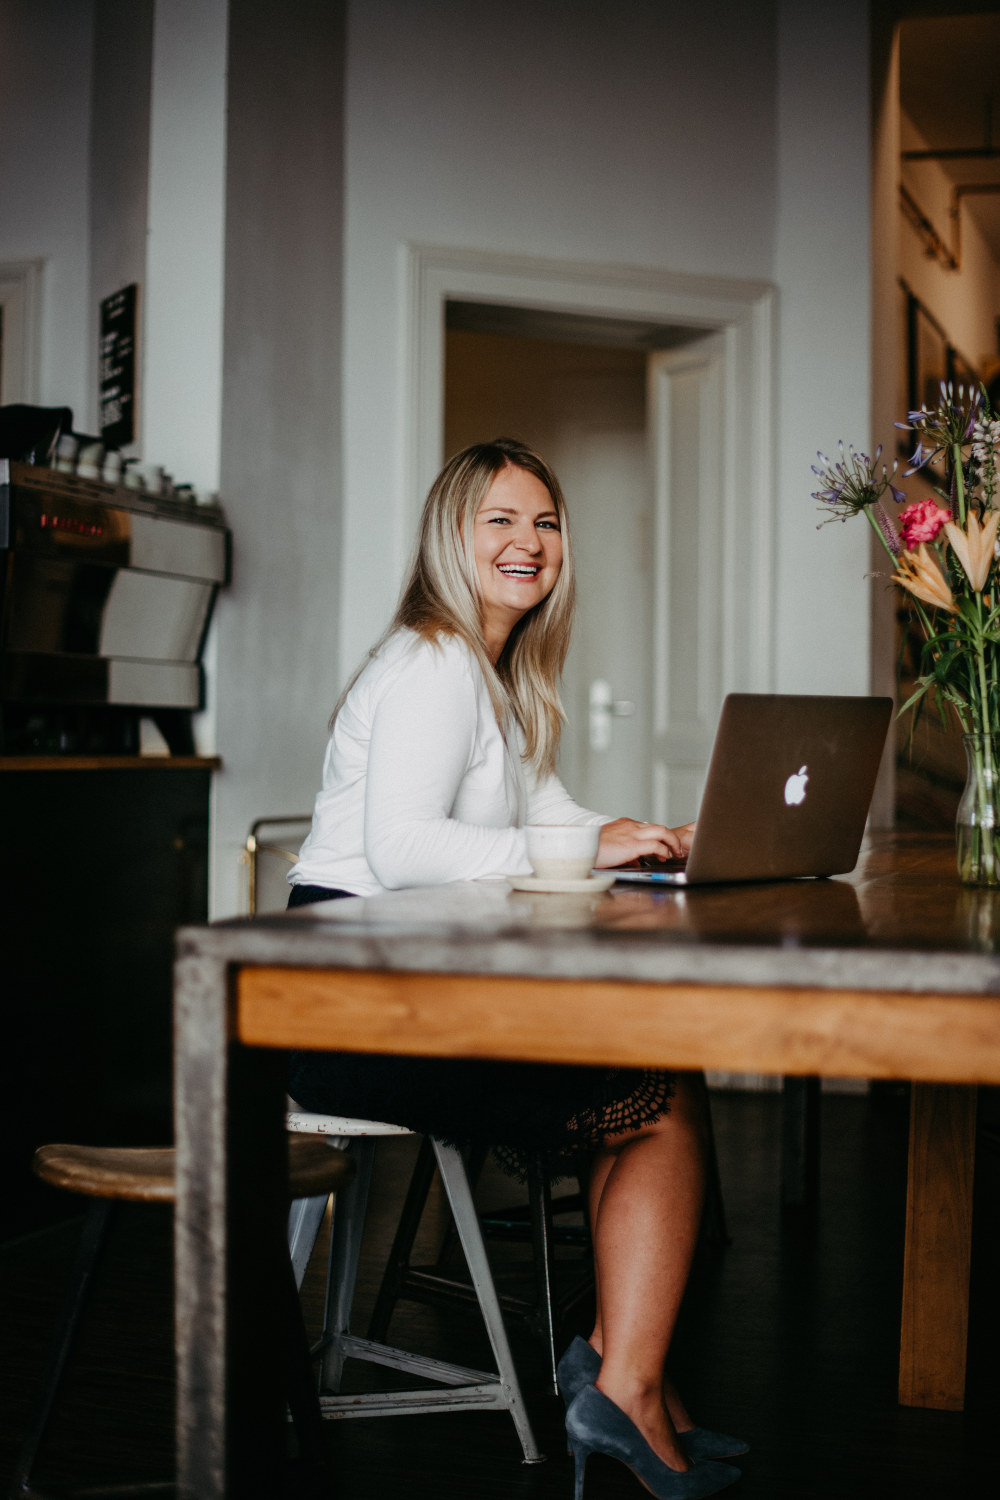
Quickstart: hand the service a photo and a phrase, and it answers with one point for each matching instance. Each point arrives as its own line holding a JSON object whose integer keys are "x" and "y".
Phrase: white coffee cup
{"x": 89, "y": 460}
{"x": 562, "y": 851}
{"x": 66, "y": 454}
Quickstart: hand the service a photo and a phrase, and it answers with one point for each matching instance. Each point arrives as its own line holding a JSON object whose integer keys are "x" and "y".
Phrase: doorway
{"x": 654, "y": 402}
{"x": 20, "y": 324}
{"x": 619, "y": 410}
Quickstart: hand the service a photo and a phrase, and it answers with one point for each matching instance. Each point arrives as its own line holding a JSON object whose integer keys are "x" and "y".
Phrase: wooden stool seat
{"x": 145, "y": 1174}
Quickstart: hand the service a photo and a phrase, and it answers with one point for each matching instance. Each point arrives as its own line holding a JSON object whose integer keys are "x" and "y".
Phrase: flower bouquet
{"x": 946, "y": 558}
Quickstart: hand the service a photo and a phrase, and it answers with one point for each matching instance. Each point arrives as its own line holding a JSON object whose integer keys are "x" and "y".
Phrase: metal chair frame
{"x": 543, "y": 1314}
{"x": 461, "y": 1388}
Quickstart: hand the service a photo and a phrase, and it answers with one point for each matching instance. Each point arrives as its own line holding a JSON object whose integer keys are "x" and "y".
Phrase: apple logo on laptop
{"x": 795, "y": 787}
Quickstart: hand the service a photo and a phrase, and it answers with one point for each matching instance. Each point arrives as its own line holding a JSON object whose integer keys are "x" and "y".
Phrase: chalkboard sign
{"x": 117, "y": 378}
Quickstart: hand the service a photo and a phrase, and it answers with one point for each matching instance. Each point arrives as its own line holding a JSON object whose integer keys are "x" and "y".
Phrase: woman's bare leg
{"x": 597, "y": 1176}
{"x": 646, "y": 1191}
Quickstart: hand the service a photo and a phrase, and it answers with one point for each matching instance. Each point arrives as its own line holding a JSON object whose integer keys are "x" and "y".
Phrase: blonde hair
{"x": 442, "y": 596}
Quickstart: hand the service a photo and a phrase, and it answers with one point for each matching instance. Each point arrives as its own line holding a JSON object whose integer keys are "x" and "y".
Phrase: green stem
{"x": 960, "y": 714}
{"x": 984, "y": 700}
{"x": 956, "y": 458}
{"x": 977, "y": 838}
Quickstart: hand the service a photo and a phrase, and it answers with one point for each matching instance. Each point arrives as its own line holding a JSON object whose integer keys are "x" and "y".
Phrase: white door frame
{"x": 740, "y": 310}
{"x": 21, "y": 300}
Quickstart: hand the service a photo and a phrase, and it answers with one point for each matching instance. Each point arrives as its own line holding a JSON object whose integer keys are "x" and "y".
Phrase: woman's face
{"x": 518, "y": 548}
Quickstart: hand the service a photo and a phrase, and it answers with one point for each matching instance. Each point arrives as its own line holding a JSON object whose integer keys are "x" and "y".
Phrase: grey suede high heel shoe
{"x": 594, "y": 1424}
{"x": 581, "y": 1365}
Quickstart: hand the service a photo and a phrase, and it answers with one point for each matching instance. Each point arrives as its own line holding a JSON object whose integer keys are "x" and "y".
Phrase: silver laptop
{"x": 787, "y": 793}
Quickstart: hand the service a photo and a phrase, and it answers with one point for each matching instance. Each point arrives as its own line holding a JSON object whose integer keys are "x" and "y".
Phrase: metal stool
{"x": 463, "y": 1388}
{"x": 111, "y": 1175}
{"x": 533, "y": 1220}
{"x": 544, "y": 1313}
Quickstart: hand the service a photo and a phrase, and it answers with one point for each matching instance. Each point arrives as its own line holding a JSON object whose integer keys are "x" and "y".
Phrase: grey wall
{"x": 119, "y": 157}
{"x": 280, "y": 459}
{"x": 45, "y": 80}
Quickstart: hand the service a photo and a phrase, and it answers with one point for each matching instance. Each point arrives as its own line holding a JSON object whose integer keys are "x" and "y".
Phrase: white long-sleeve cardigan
{"x": 419, "y": 785}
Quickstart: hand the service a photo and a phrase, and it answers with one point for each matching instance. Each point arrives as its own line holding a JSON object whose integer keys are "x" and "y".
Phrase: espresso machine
{"x": 106, "y": 594}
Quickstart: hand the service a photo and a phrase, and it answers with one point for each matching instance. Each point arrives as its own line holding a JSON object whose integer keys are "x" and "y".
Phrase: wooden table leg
{"x": 935, "y": 1320}
{"x": 800, "y": 1137}
{"x": 230, "y": 1252}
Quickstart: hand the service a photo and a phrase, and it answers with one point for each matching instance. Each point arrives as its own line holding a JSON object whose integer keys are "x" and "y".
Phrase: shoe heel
{"x": 580, "y": 1456}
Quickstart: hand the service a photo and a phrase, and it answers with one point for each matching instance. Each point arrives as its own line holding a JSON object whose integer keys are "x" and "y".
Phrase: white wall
{"x": 822, "y": 270}
{"x": 119, "y": 162}
{"x": 635, "y": 133}
{"x": 45, "y": 82}
{"x": 181, "y": 391}
{"x": 888, "y": 376}
{"x": 280, "y": 436}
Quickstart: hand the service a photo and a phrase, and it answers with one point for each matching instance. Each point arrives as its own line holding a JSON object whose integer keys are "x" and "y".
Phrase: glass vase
{"x": 977, "y": 822}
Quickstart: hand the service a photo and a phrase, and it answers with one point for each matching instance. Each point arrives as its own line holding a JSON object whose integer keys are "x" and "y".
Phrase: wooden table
{"x": 890, "y": 973}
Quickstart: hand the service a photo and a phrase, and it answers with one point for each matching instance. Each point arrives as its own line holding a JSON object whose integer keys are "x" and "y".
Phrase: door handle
{"x": 603, "y": 708}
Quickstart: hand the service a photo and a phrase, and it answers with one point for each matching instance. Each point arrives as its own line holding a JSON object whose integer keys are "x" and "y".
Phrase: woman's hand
{"x": 625, "y": 840}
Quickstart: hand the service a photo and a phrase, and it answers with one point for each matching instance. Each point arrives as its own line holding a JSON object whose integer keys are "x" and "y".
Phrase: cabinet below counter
{"x": 103, "y": 858}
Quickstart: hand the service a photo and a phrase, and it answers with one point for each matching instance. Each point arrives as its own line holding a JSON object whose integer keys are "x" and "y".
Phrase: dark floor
{"x": 789, "y": 1338}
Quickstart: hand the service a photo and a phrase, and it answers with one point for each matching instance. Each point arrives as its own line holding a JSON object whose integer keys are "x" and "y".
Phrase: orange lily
{"x": 918, "y": 572}
{"x": 974, "y": 546}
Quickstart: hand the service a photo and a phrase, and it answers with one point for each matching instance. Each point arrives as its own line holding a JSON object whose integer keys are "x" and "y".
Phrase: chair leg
{"x": 475, "y": 1161}
{"x": 80, "y": 1284}
{"x": 349, "y": 1208}
{"x": 540, "y": 1199}
{"x": 714, "y": 1226}
{"x": 537, "y": 1220}
{"x": 305, "y": 1219}
{"x": 402, "y": 1245}
{"x": 303, "y": 1401}
{"x": 456, "y": 1186}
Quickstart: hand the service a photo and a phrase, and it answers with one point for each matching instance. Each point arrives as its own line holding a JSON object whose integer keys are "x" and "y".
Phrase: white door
{"x": 643, "y": 684}
{"x": 605, "y": 758}
{"x": 687, "y": 430}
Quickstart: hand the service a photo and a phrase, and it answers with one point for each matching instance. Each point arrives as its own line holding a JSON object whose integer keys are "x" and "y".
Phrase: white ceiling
{"x": 950, "y": 88}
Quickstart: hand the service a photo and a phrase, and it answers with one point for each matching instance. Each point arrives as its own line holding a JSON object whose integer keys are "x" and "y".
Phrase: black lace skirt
{"x": 519, "y": 1110}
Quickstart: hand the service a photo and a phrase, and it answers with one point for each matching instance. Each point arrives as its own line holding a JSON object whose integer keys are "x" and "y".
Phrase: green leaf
{"x": 924, "y": 684}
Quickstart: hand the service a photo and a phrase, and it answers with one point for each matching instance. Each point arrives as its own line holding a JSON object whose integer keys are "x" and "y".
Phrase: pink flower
{"x": 921, "y": 522}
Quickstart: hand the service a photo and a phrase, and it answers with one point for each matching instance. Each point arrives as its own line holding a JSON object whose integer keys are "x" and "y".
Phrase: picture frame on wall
{"x": 930, "y": 359}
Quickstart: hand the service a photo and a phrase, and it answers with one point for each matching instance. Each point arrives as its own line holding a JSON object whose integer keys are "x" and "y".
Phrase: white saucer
{"x": 588, "y": 887}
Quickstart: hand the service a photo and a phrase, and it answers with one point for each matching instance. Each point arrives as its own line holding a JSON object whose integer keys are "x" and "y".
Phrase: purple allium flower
{"x": 949, "y": 425}
{"x": 853, "y": 483}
